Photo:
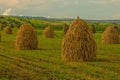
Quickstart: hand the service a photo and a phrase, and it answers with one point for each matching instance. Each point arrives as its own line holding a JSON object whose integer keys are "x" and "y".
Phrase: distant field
{"x": 45, "y": 63}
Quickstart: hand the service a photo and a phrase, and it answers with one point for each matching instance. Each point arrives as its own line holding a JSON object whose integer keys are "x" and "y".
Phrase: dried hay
{"x": 78, "y": 44}
{"x": 65, "y": 28}
{"x": 26, "y": 38}
{"x": 110, "y": 35}
{"x": 8, "y": 30}
{"x": 48, "y": 32}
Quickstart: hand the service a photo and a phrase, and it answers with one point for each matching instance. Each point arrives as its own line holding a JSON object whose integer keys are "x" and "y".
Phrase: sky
{"x": 86, "y": 9}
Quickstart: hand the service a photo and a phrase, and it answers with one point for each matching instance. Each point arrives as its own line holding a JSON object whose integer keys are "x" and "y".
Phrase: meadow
{"x": 46, "y": 64}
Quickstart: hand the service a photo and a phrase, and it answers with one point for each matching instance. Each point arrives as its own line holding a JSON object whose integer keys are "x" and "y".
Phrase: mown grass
{"x": 46, "y": 64}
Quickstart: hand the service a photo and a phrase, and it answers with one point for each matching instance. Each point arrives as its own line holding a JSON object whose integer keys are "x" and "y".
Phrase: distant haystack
{"x": 78, "y": 44}
{"x": 65, "y": 28}
{"x": 8, "y": 30}
{"x": 26, "y": 38}
{"x": 110, "y": 35}
{"x": 48, "y": 32}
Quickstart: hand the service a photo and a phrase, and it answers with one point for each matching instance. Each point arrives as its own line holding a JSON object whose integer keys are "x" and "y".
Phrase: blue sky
{"x": 87, "y": 9}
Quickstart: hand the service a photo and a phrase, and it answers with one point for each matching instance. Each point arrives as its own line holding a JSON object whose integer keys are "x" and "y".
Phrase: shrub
{"x": 11, "y": 25}
{"x": 92, "y": 28}
{"x": 0, "y": 36}
{"x": 65, "y": 28}
{"x": 116, "y": 27}
{"x": 1, "y": 26}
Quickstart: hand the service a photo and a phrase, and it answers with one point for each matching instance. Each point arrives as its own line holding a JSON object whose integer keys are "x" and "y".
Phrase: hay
{"x": 78, "y": 43}
{"x": 65, "y": 28}
{"x": 8, "y": 30}
{"x": 26, "y": 38}
{"x": 48, "y": 32}
{"x": 110, "y": 36}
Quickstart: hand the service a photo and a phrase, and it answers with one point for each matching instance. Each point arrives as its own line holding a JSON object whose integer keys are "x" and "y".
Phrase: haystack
{"x": 110, "y": 35}
{"x": 78, "y": 43}
{"x": 8, "y": 30}
{"x": 65, "y": 28}
{"x": 48, "y": 32}
{"x": 26, "y": 38}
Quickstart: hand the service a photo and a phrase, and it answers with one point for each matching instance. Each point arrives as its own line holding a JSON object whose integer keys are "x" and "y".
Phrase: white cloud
{"x": 48, "y": 16}
{"x": 7, "y": 12}
{"x": 14, "y": 3}
{"x": 9, "y": 2}
{"x": 20, "y": 15}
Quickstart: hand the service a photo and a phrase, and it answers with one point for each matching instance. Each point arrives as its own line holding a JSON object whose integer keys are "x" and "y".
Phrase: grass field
{"x": 45, "y": 63}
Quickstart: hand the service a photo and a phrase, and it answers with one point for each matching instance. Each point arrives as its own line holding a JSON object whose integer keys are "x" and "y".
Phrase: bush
{"x": 65, "y": 28}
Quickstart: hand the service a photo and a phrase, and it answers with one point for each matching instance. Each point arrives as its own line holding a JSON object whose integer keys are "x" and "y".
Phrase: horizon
{"x": 55, "y": 17}
{"x": 86, "y": 9}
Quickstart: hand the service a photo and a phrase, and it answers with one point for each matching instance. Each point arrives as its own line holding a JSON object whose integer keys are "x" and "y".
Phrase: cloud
{"x": 7, "y": 12}
{"x": 62, "y": 8}
{"x": 9, "y": 2}
{"x": 14, "y": 3}
{"x": 44, "y": 4}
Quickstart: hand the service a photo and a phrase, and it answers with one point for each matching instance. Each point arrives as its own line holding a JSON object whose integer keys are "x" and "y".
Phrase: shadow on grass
{"x": 102, "y": 60}
{"x": 47, "y": 49}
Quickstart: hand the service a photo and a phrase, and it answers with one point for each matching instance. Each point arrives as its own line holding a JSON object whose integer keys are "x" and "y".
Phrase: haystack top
{"x": 26, "y": 26}
{"x": 78, "y": 26}
{"x": 110, "y": 28}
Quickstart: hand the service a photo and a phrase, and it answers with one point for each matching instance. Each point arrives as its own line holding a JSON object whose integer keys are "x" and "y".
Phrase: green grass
{"x": 41, "y": 24}
{"x": 45, "y": 63}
